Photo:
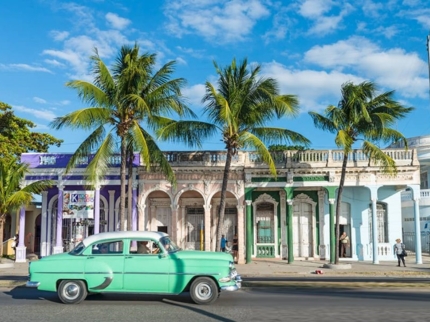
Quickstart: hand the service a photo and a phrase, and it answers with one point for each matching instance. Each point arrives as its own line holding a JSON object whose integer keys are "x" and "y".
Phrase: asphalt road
{"x": 259, "y": 304}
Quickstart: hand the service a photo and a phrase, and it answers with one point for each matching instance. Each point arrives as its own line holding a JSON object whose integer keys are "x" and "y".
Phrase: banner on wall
{"x": 78, "y": 204}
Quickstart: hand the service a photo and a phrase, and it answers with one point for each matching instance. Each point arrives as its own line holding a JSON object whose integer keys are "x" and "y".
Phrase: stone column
{"x": 418, "y": 254}
{"x": 44, "y": 226}
{"x": 152, "y": 217}
{"x": 332, "y": 231}
{"x": 58, "y": 248}
{"x": 207, "y": 227}
{"x": 97, "y": 209}
{"x": 21, "y": 250}
{"x": 375, "y": 231}
{"x": 290, "y": 231}
{"x": 240, "y": 235}
{"x": 111, "y": 220}
{"x": 134, "y": 207}
{"x": 322, "y": 248}
{"x": 249, "y": 238}
{"x": 175, "y": 223}
{"x": 283, "y": 224}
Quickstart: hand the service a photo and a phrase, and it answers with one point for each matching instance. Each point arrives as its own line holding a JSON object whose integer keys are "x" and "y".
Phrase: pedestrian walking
{"x": 400, "y": 251}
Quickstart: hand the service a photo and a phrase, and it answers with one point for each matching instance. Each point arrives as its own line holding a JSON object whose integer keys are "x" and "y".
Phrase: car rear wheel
{"x": 204, "y": 290}
{"x": 72, "y": 291}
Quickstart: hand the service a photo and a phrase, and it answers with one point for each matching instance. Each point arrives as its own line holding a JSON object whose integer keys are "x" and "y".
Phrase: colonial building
{"x": 422, "y": 145}
{"x": 290, "y": 216}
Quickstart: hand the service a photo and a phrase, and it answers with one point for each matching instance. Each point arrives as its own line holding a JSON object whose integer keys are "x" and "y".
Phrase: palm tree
{"x": 12, "y": 195}
{"x": 121, "y": 101}
{"x": 362, "y": 115}
{"x": 239, "y": 108}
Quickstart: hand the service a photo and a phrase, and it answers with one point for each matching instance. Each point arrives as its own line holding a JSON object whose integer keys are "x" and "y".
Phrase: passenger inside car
{"x": 142, "y": 247}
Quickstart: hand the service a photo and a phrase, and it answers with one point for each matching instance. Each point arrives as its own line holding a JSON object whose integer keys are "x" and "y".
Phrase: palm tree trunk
{"x": 123, "y": 181}
{"x": 222, "y": 202}
{"x": 2, "y": 218}
{"x": 339, "y": 204}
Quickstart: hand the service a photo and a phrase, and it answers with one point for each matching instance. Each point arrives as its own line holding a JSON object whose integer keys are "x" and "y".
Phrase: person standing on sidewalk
{"x": 223, "y": 243}
{"x": 399, "y": 250}
{"x": 344, "y": 244}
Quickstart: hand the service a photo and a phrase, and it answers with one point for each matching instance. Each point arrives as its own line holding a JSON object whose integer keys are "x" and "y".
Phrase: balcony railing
{"x": 285, "y": 159}
{"x": 424, "y": 195}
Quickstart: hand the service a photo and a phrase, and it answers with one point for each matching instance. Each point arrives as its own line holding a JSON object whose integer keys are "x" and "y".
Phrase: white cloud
{"x": 194, "y": 95}
{"x": 78, "y": 47}
{"x": 24, "y": 67}
{"x": 59, "y": 35}
{"x": 315, "y": 89}
{"x": 54, "y": 62}
{"x": 215, "y": 21}
{"x": 116, "y": 21}
{"x": 315, "y": 8}
{"x": 39, "y": 100}
{"x": 40, "y": 114}
{"x": 394, "y": 69}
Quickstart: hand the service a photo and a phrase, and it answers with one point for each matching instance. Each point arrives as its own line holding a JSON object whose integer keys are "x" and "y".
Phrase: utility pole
{"x": 428, "y": 54}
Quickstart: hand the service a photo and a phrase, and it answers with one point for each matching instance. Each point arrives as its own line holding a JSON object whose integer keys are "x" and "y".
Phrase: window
{"x": 265, "y": 223}
{"x": 424, "y": 180}
{"x": 108, "y": 248}
{"x": 382, "y": 222}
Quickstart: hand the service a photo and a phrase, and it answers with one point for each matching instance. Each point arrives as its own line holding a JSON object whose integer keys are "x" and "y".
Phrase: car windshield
{"x": 79, "y": 248}
{"x": 169, "y": 245}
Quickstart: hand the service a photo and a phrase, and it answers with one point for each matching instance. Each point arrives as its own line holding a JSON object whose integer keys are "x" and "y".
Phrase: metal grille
{"x": 194, "y": 225}
{"x": 382, "y": 223}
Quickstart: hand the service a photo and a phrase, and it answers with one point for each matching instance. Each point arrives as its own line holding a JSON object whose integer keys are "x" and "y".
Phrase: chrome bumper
{"x": 231, "y": 288}
{"x": 32, "y": 284}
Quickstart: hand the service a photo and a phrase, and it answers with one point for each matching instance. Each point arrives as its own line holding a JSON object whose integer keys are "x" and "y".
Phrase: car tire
{"x": 204, "y": 290}
{"x": 72, "y": 291}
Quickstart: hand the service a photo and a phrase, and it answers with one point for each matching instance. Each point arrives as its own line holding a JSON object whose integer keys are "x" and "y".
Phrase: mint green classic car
{"x": 134, "y": 262}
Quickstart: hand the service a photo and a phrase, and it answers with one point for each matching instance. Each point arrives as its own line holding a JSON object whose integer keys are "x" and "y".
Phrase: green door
{"x": 146, "y": 273}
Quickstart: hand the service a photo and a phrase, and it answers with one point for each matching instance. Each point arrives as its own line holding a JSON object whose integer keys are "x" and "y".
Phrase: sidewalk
{"x": 17, "y": 274}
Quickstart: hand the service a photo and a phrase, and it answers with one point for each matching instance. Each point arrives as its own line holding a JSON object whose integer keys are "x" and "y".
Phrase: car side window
{"x": 142, "y": 247}
{"x": 108, "y": 248}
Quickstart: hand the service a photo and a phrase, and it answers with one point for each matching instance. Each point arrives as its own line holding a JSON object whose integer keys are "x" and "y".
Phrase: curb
{"x": 340, "y": 285}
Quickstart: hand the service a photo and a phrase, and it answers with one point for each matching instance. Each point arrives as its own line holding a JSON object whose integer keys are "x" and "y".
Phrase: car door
{"x": 104, "y": 271}
{"x": 146, "y": 273}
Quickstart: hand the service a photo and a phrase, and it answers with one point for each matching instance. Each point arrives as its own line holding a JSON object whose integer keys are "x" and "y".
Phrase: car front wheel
{"x": 204, "y": 290}
{"x": 72, "y": 292}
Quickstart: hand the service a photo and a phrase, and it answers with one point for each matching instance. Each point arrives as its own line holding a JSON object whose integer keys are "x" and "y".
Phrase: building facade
{"x": 290, "y": 216}
{"x": 422, "y": 145}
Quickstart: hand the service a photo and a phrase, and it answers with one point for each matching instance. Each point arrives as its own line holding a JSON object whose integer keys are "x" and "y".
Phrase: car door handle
{"x": 90, "y": 257}
{"x": 128, "y": 257}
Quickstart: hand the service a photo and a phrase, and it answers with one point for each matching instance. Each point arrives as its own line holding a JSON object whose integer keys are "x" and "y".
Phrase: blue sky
{"x": 310, "y": 46}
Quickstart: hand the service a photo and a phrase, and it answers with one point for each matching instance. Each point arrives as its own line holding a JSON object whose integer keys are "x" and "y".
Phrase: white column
{"x": 111, "y": 220}
{"x": 207, "y": 227}
{"x": 44, "y": 226}
{"x": 58, "y": 248}
{"x": 283, "y": 224}
{"x": 374, "y": 198}
{"x": 152, "y": 218}
{"x": 174, "y": 234}
{"x": 418, "y": 254}
{"x": 21, "y": 250}
{"x": 240, "y": 235}
{"x": 97, "y": 209}
{"x": 322, "y": 250}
